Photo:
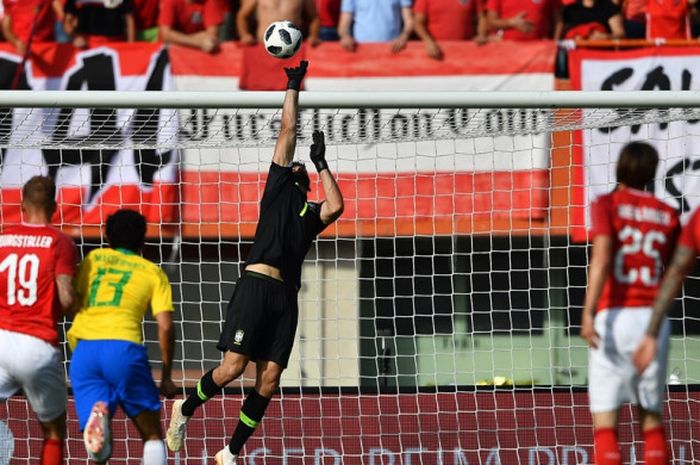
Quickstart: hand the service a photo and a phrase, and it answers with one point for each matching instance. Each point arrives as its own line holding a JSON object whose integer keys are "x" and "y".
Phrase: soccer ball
{"x": 282, "y": 39}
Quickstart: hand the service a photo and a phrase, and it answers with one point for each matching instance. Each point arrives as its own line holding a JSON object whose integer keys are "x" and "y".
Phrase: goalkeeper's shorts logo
{"x": 238, "y": 337}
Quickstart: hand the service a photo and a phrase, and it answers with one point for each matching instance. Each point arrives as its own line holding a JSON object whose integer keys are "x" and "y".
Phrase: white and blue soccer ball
{"x": 282, "y": 39}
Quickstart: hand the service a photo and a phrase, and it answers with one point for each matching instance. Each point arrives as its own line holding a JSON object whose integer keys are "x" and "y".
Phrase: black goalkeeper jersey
{"x": 287, "y": 226}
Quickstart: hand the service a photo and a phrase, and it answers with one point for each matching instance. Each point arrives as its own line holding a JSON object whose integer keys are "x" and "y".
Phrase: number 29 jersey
{"x": 116, "y": 287}
{"x": 644, "y": 231}
{"x": 31, "y": 257}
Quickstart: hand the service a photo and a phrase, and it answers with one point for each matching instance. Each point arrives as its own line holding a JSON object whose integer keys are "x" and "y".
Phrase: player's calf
{"x": 97, "y": 435}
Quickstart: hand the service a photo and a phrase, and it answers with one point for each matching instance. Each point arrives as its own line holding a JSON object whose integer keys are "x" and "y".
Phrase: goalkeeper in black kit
{"x": 262, "y": 314}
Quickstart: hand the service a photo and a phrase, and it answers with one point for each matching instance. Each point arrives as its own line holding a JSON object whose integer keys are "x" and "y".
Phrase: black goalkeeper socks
{"x": 252, "y": 413}
{"x": 206, "y": 389}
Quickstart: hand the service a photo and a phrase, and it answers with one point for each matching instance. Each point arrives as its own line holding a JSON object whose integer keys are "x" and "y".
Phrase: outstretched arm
{"x": 287, "y": 140}
{"x": 333, "y": 206}
{"x": 681, "y": 264}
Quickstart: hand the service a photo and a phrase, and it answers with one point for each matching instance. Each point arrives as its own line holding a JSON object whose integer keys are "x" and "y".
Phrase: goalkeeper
{"x": 262, "y": 315}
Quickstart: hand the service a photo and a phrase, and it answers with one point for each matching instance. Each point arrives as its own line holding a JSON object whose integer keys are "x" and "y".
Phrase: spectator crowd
{"x": 203, "y": 24}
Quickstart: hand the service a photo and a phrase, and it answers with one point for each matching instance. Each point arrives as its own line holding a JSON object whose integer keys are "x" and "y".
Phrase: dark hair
{"x": 301, "y": 176}
{"x": 637, "y": 164}
{"x": 126, "y": 229}
{"x": 40, "y": 192}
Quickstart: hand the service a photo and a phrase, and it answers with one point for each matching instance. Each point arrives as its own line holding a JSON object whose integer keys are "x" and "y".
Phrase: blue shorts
{"x": 115, "y": 372}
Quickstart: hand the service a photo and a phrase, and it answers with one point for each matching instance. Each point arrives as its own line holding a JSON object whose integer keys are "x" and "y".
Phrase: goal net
{"x": 439, "y": 317}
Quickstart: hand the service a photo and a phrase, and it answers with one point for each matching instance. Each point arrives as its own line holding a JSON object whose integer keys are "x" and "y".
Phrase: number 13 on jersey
{"x": 107, "y": 287}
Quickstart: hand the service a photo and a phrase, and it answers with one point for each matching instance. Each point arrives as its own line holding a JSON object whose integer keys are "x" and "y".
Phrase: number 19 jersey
{"x": 116, "y": 287}
{"x": 31, "y": 256}
{"x": 644, "y": 231}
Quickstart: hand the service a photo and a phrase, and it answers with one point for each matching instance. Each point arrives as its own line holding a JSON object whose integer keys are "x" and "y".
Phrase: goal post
{"x": 438, "y": 317}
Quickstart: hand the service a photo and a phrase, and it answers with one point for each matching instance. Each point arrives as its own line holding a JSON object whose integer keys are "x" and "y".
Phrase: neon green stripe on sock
{"x": 200, "y": 394}
{"x": 249, "y": 422}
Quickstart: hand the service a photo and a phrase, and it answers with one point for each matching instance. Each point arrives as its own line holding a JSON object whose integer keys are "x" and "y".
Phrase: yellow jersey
{"x": 115, "y": 288}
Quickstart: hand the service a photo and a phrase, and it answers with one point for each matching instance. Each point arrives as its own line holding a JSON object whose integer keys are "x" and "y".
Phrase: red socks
{"x": 607, "y": 451}
{"x": 52, "y": 452}
{"x": 655, "y": 447}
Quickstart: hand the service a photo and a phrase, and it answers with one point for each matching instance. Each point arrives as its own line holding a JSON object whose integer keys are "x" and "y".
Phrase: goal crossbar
{"x": 188, "y": 100}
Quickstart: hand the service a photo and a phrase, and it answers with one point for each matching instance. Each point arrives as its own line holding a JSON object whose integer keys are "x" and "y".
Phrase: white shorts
{"x": 612, "y": 378}
{"x": 33, "y": 365}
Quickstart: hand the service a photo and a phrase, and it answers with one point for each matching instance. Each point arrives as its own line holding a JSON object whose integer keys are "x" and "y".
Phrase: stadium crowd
{"x": 203, "y": 24}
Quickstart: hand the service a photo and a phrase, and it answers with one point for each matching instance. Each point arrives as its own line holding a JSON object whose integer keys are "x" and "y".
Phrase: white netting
{"x": 460, "y": 261}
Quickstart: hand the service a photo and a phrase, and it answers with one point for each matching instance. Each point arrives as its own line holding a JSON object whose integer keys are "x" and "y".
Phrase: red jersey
{"x": 539, "y": 12}
{"x": 30, "y": 259}
{"x": 190, "y": 16}
{"x": 448, "y": 19}
{"x": 22, "y": 14}
{"x": 644, "y": 231}
{"x": 146, "y": 14}
{"x": 690, "y": 237}
{"x": 328, "y": 12}
{"x": 668, "y": 19}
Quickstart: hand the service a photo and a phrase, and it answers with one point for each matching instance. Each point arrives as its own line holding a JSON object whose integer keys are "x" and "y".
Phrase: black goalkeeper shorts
{"x": 261, "y": 319}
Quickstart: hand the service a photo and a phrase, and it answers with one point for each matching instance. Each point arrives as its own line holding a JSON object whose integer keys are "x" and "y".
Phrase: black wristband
{"x": 320, "y": 164}
{"x": 294, "y": 83}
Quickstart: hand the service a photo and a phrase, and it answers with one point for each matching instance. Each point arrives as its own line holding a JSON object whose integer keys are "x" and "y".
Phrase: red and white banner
{"x": 513, "y": 427}
{"x": 424, "y": 186}
{"x": 92, "y": 182}
{"x": 678, "y": 142}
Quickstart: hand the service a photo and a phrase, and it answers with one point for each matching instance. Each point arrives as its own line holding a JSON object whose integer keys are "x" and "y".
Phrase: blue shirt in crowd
{"x": 375, "y": 20}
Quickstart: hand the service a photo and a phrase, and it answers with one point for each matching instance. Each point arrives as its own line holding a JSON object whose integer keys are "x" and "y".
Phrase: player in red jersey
{"x": 682, "y": 263}
{"x": 37, "y": 264}
{"x": 634, "y": 235}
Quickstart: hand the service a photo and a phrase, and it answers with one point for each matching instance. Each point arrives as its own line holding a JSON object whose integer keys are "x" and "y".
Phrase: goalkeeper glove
{"x": 296, "y": 75}
{"x": 318, "y": 152}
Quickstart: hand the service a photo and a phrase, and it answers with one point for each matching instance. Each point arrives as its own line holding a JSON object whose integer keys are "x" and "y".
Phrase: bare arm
{"x": 431, "y": 46}
{"x": 10, "y": 36}
{"x": 287, "y": 140}
{"x": 681, "y": 264}
{"x": 559, "y": 28}
{"x": 333, "y": 207}
{"x": 246, "y": 10}
{"x": 166, "y": 341}
{"x": 70, "y": 24}
{"x": 617, "y": 28}
{"x": 314, "y": 22}
{"x": 66, "y": 293}
{"x": 57, "y": 6}
{"x": 346, "y": 39}
{"x": 519, "y": 21}
{"x": 482, "y": 28}
{"x": 597, "y": 273}
{"x": 407, "y": 18}
{"x": 201, "y": 40}
{"x": 130, "y": 27}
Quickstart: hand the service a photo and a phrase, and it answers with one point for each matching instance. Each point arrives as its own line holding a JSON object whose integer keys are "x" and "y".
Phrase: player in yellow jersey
{"x": 109, "y": 367}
